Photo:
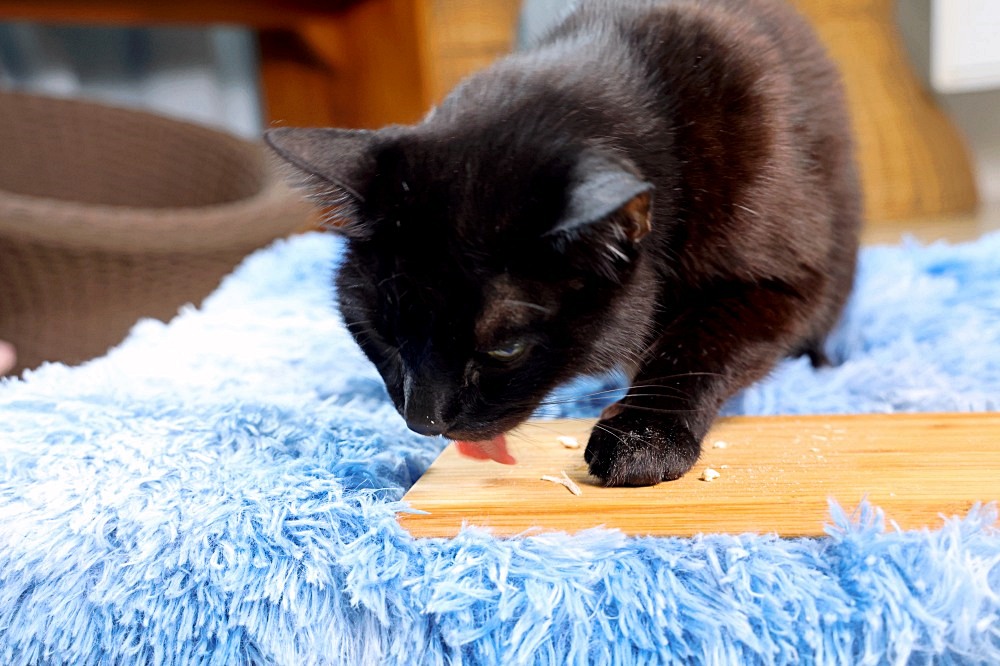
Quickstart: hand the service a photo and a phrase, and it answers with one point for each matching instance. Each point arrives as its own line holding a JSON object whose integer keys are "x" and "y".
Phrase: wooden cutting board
{"x": 776, "y": 474}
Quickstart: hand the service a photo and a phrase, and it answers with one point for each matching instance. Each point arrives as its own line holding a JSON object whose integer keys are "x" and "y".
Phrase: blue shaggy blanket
{"x": 222, "y": 490}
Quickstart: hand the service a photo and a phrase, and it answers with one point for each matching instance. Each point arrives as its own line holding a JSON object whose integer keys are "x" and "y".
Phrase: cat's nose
{"x": 423, "y": 407}
{"x": 429, "y": 427}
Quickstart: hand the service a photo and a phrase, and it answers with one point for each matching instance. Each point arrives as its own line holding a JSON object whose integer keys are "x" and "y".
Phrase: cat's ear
{"x": 608, "y": 208}
{"x": 334, "y": 166}
{"x": 604, "y": 193}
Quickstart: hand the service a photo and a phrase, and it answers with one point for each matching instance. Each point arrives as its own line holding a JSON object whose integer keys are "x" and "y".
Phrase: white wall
{"x": 977, "y": 114}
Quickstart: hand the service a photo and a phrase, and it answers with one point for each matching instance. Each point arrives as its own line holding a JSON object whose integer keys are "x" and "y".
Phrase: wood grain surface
{"x": 776, "y": 474}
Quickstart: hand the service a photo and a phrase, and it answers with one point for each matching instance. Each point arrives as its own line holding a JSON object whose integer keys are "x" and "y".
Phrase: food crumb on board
{"x": 565, "y": 481}
{"x": 569, "y": 442}
{"x": 814, "y": 449}
{"x": 709, "y": 475}
{"x": 720, "y": 444}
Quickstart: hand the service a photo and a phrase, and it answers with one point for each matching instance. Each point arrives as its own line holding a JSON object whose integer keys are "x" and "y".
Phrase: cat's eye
{"x": 508, "y": 352}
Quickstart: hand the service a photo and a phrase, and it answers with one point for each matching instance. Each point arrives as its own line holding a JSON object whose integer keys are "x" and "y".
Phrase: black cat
{"x": 662, "y": 186}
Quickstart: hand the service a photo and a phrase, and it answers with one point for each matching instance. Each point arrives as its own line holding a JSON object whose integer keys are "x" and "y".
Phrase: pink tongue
{"x": 490, "y": 449}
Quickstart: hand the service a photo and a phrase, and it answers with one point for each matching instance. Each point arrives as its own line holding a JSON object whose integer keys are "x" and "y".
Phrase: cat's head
{"x": 482, "y": 270}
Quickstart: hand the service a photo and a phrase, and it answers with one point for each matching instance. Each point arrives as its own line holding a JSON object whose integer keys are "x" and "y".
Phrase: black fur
{"x": 662, "y": 186}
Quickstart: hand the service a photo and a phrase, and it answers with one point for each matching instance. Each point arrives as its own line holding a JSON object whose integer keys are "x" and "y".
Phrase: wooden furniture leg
{"x": 365, "y": 67}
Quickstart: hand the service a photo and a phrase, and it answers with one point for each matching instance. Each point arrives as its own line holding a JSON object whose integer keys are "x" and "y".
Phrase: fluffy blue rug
{"x": 222, "y": 489}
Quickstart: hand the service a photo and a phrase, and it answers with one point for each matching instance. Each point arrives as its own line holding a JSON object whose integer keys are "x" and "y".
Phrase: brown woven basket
{"x": 108, "y": 215}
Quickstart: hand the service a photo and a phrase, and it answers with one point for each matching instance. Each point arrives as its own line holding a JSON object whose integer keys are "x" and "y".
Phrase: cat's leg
{"x": 814, "y": 350}
{"x": 725, "y": 342}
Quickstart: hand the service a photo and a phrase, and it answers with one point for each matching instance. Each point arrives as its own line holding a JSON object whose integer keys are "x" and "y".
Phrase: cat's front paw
{"x": 629, "y": 449}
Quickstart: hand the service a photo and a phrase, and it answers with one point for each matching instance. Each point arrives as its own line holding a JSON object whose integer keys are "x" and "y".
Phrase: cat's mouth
{"x": 481, "y": 429}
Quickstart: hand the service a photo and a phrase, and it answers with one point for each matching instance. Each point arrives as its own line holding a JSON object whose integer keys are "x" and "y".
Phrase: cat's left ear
{"x": 606, "y": 197}
{"x": 335, "y": 166}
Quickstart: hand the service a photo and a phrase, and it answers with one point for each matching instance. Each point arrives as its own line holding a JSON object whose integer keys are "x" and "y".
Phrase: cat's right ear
{"x": 334, "y": 165}
{"x": 608, "y": 211}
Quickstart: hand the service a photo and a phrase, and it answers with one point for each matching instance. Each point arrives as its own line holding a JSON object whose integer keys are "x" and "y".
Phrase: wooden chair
{"x": 323, "y": 62}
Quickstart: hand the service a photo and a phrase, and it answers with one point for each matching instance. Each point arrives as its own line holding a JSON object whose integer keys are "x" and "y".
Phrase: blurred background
{"x": 114, "y": 206}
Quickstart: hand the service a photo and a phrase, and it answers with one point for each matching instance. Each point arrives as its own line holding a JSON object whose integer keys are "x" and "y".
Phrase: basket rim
{"x": 273, "y": 209}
